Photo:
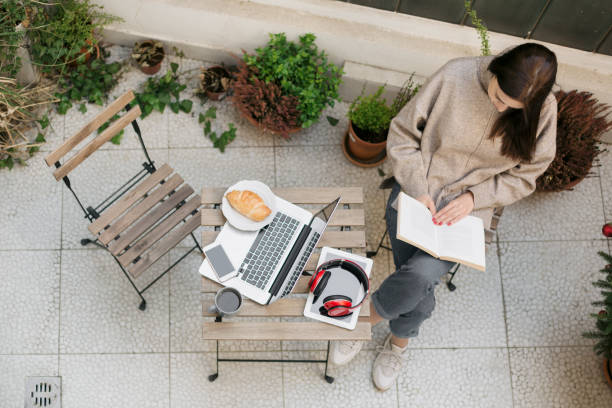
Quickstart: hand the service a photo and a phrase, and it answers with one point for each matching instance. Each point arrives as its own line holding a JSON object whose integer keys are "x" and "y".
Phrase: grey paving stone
{"x": 95, "y": 179}
{"x": 455, "y": 378}
{"x": 119, "y": 380}
{"x": 238, "y": 385}
{"x": 305, "y": 387}
{"x": 567, "y": 215}
{"x": 30, "y": 208}
{"x": 29, "y": 300}
{"x": 14, "y": 371}
{"x": 322, "y": 132}
{"x": 558, "y": 377}
{"x": 548, "y": 291}
{"x": 100, "y": 312}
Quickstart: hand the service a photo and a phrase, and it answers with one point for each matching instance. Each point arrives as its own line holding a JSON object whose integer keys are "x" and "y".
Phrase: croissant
{"x": 248, "y": 204}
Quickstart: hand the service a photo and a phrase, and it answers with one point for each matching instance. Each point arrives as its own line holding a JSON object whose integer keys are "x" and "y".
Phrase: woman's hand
{"x": 455, "y": 210}
{"x": 427, "y": 202}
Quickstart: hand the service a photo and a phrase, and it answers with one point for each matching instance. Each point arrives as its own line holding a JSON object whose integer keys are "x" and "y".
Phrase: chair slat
{"x": 289, "y": 307}
{"x": 170, "y": 241}
{"x": 130, "y": 198}
{"x": 98, "y": 121}
{"x": 301, "y": 195}
{"x": 284, "y": 331}
{"x": 134, "y": 214}
{"x": 341, "y": 217}
{"x": 335, "y": 239}
{"x": 96, "y": 143}
{"x": 150, "y": 219}
{"x": 159, "y": 231}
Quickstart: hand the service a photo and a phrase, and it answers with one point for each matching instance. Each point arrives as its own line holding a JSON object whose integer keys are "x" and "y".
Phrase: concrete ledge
{"x": 211, "y": 29}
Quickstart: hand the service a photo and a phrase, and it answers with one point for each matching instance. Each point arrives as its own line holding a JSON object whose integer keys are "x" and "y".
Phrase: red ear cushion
{"x": 337, "y": 297}
{"x": 339, "y": 311}
{"x": 330, "y": 304}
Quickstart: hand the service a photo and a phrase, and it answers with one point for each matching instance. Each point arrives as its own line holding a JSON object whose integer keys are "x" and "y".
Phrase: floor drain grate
{"x": 43, "y": 392}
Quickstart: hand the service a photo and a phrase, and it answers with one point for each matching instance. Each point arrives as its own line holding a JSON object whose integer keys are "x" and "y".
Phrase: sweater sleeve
{"x": 520, "y": 181}
{"x": 404, "y": 139}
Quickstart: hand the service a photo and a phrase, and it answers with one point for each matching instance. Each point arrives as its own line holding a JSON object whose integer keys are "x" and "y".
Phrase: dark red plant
{"x": 264, "y": 102}
{"x": 581, "y": 120}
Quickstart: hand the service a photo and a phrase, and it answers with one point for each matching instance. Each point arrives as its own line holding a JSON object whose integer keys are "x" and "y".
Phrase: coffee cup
{"x": 227, "y": 302}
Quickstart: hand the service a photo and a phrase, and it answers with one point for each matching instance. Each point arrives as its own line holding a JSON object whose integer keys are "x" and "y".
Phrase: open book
{"x": 462, "y": 242}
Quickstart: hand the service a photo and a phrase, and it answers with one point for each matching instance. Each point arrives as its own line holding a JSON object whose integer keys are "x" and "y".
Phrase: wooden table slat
{"x": 284, "y": 331}
{"x": 290, "y": 307}
{"x": 298, "y": 195}
{"x": 214, "y": 217}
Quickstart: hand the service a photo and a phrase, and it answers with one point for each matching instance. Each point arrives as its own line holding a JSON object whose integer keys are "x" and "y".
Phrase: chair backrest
{"x": 62, "y": 170}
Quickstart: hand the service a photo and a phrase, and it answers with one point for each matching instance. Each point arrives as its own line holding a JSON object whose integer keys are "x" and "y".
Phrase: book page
{"x": 463, "y": 242}
{"x": 414, "y": 225}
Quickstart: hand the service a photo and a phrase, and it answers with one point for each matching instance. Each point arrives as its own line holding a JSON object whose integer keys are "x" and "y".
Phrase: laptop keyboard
{"x": 265, "y": 253}
{"x": 300, "y": 266}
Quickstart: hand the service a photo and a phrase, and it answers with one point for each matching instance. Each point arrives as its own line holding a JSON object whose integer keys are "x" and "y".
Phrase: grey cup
{"x": 227, "y": 302}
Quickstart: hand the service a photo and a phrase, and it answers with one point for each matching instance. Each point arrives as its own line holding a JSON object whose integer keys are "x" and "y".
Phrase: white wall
{"x": 210, "y": 29}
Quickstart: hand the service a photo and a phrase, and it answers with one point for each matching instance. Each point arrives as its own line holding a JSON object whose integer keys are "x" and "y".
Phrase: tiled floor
{"x": 510, "y": 337}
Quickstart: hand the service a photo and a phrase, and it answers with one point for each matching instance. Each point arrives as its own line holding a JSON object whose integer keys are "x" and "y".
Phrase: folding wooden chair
{"x": 144, "y": 218}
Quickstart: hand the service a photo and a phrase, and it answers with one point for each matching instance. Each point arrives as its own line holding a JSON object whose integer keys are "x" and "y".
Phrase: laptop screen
{"x": 326, "y": 212}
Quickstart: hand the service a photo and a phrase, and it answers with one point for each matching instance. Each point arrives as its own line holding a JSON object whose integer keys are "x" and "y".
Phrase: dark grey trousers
{"x": 406, "y": 297}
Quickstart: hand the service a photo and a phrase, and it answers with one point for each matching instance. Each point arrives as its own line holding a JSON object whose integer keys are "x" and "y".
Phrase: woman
{"x": 475, "y": 137}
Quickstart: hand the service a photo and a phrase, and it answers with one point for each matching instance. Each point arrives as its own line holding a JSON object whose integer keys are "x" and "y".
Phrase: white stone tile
{"x": 124, "y": 380}
{"x": 100, "y": 312}
{"x": 606, "y": 183}
{"x": 472, "y": 315}
{"x": 322, "y": 132}
{"x": 455, "y": 378}
{"x": 548, "y": 291}
{"x": 54, "y": 133}
{"x": 558, "y": 377}
{"x": 326, "y": 166}
{"x": 95, "y": 179}
{"x": 15, "y": 369}
{"x": 567, "y": 215}
{"x": 30, "y": 208}
{"x": 29, "y": 300}
{"x": 304, "y": 385}
{"x": 241, "y": 384}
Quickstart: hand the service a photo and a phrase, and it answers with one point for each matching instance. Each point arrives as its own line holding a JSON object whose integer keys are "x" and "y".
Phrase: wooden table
{"x": 345, "y": 231}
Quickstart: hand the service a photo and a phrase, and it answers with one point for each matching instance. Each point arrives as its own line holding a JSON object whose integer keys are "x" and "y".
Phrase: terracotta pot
{"x": 607, "y": 368}
{"x": 154, "y": 69}
{"x": 362, "y": 150}
{"x": 85, "y": 50}
{"x": 214, "y": 96}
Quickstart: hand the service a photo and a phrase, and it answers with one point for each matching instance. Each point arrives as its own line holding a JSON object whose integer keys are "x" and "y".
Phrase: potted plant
{"x": 148, "y": 55}
{"x": 214, "y": 82}
{"x": 603, "y": 324}
{"x": 285, "y": 86}
{"x": 581, "y": 120}
{"x": 369, "y": 120}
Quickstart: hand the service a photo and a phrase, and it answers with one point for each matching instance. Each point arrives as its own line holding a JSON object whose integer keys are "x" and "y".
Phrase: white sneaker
{"x": 341, "y": 352}
{"x": 388, "y": 364}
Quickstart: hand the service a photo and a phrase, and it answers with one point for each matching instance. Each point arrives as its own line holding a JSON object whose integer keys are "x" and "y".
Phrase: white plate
{"x": 240, "y": 221}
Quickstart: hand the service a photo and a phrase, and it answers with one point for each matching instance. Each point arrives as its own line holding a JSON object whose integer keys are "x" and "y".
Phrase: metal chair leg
{"x": 87, "y": 241}
{"x": 327, "y": 377}
{"x": 451, "y": 286}
{"x": 370, "y": 254}
{"x": 214, "y": 376}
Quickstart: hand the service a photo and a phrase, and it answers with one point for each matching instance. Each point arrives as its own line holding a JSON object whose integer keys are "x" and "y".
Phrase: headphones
{"x": 337, "y": 305}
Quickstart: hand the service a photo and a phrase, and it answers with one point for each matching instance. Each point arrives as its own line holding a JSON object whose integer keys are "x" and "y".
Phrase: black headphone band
{"x": 352, "y": 267}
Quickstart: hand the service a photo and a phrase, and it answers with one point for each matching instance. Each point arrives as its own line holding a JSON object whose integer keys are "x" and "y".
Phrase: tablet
{"x": 341, "y": 283}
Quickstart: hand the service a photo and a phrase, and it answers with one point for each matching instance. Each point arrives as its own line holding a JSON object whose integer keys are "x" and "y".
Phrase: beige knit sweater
{"x": 439, "y": 142}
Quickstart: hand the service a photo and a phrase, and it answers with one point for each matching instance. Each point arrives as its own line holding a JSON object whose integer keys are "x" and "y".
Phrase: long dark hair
{"x": 525, "y": 73}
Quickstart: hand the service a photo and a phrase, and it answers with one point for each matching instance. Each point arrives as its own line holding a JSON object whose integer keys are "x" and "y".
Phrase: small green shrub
{"x": 482, "y": 30}
{"x": 220, "y": 142}
{"x": 371, "y": 116}
{"x": 163, "y": 91}
{"x": 300, "y": 70}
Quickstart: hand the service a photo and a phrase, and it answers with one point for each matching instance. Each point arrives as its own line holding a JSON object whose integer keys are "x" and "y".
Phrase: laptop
{"x": 271, "y": 260}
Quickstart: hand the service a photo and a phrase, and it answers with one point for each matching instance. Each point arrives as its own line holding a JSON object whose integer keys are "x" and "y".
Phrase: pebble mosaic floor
{"x": 510, "y": 337}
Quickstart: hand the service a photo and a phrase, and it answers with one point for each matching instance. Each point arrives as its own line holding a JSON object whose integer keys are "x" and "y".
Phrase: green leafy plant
{"x": 117, "y": 138}
{"x": 405, "y": 94}
{"x": 163, "y": 91}
{"x": 370, "y": 116}
{"x": 148, "y": 53}
{"x": 221, "y": 141}
{"x": 300, "y": 70}
{"x": 481, "y": 28}
{"x": 88, "y": 82}
{"x": 12, "y": 13}
{"x": 603, "y": 323}
{"x": 68, "y": 32}
{"x": 581, "y": 120}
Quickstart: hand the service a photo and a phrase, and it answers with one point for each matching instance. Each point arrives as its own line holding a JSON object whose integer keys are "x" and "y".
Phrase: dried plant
{"x": 214, "y": 79}
{"x": 148, "y": 53}
{"x": 20, "y": 110}
{"x": 264, "y": 102}
{"x": 581, "y": 120}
